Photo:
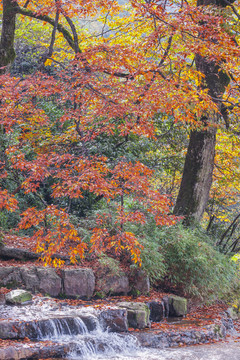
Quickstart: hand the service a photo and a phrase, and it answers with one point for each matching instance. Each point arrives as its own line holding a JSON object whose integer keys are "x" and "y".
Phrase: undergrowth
{"x": 187, "y": 259}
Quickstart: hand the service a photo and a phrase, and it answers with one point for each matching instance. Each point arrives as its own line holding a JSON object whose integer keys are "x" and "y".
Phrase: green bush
{"x": 187, "y": 259}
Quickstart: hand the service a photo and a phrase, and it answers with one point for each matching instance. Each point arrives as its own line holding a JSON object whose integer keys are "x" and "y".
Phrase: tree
{"x": 110, "y": 88}
{"x": 199, "y": 164}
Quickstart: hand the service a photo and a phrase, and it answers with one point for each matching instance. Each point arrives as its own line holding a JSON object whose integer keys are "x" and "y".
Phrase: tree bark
{"x": 7, "y": 53}
{"x": 197, "y": 175}
{"x": 199, "y": 162}
{"x": 7, "y": 253}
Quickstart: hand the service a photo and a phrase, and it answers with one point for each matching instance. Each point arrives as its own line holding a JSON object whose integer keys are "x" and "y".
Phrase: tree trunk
{"x": 197, "y": 175}
{"x": 7, "y": 53}
{"x": 7, "y": 253}
{"x": 198, "y": 169}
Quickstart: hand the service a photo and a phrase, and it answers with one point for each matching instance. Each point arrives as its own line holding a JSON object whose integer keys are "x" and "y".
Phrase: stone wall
{"x": 70, "y": 283}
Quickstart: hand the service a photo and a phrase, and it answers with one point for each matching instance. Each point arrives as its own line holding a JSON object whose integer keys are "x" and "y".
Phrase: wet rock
{"x": 137, "y": 314}
{"x": 157, "y": 311}
{"x": 12, "y": 330}
{"x": 49, "y": 282}
{"x": 160, "y": 339}
{"x": 140, "y": 283}
{"x": 35, "y": 351}
{"x": 115, "y": 320}
{"x": 177, "y": 306}
{"x": 78, "y": 283}
{"x": 90, "y": 322}
{"x": 47, "y": 328}
{"x": 18, "y": 297}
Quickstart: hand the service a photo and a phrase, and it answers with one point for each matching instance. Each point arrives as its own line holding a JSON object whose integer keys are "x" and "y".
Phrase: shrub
{"x": 188, "y": 260}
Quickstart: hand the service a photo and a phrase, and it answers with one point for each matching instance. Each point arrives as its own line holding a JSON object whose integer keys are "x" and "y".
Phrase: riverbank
{"x": 61, "y": 328}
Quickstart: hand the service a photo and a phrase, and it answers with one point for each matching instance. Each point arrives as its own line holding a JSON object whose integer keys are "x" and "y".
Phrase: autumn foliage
{"x": 107, "y": 84}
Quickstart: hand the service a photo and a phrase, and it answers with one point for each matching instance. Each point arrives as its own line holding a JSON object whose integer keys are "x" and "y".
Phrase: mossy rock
{"x": 137, "y": 314}
{"x": 177, "y": 306}
{"x": 18, "y": 297}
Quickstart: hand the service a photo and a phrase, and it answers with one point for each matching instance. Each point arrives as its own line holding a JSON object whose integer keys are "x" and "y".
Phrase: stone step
{"x": 47, "y": 328}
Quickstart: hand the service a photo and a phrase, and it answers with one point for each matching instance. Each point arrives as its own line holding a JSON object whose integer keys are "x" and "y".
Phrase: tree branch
{"x": 46, "y": 18}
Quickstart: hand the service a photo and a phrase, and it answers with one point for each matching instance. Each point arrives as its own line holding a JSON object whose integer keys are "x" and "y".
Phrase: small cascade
{"x": 103, "y": 344}
{"x": 76, "y": 333}
{"x": 53, "y": 329}
{"x": 85, "y": 338}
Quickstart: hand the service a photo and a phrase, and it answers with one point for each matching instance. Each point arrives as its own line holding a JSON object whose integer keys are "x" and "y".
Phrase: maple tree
{"x": 174, "y": 59}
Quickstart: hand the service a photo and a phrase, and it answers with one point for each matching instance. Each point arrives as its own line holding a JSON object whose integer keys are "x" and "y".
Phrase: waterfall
{"x": 84, "y": 336}
{"x": 57, "y": 328}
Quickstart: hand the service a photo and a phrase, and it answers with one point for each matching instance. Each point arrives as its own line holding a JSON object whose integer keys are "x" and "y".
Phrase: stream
{"x": 79, "y": 328}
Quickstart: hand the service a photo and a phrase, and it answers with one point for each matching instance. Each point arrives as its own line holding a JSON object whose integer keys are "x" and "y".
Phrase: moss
{"x": 178, "y": 305}
{"x": 100, "y": 295}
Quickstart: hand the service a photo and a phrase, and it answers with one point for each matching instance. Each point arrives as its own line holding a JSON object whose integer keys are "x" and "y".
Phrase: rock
{"x": 49, "y": 282}
{"x": 30, "y": 279}
{"x": 114, "y": 320}
{"x": 10, "y": 277}
{"x": 18, "y": 297}
{"x": 166, "y": 306}
{"x": 35, "y": 351}
{"x": 140, "y": 283}
{"x": 2, "y": 299}
{"x": 159, "y": 339}
{"x": 12, "y": 330}
{"x": 113, "y": 284}
{"x": 137, "y": 314}
{"x": 157, "y": 311}
{"x": 78, "y": 283}
{"x": 232, "y": 313}
{"x": 177, "y": 306}
{"x": 47, "y": 328}
{"x": 227, "y": 321}
{"x": 219, "y": 330}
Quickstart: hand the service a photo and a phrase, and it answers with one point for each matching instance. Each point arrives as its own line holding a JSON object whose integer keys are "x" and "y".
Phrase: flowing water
{"x": 79, "y": 328}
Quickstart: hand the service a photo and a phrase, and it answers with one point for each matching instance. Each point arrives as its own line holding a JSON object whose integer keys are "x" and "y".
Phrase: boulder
{"x": 140, "y": 283}
{"x": 113, "y": 284}
{"x": 30, "y": 279}
{"x": 137, "y": 314}
{"x": 47, "y": 328}
{"x": 114, "y": 320}
{"x": 78, "y": 283}
{"x": 12, "y": 330}
{"x": 49, "y": 282}
{"x": 35, "y": 279}
{"x": 157, "y": 311}
{"x": 10, "y": 277}
{"x": 177, "y": 306}
{"x": 18, "y": 297}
